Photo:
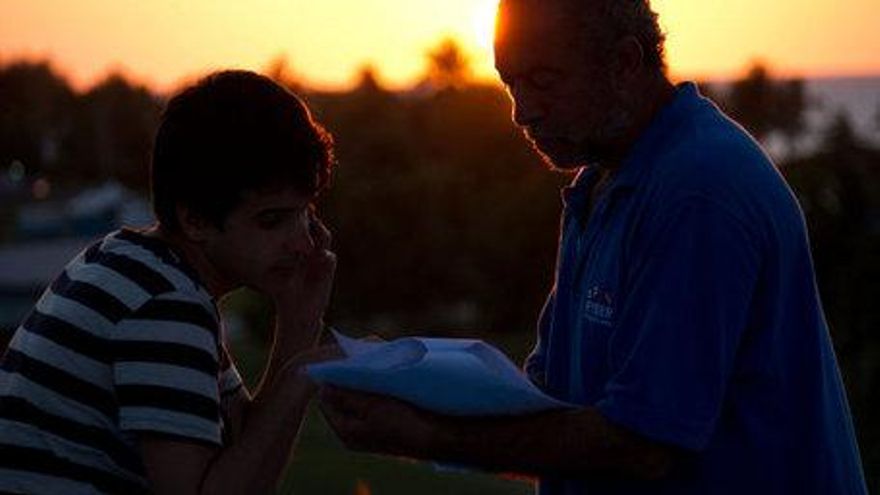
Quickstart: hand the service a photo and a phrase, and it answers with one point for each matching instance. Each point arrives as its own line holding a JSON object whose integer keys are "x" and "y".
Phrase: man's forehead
{"x": 532, "y": 29}
{"x": 275, "y": 197}
{"x": 520, "y": 20}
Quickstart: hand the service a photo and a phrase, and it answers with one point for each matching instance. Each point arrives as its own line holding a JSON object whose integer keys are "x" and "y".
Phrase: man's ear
{"x": 194, "y": 227}
{"x": 628, "y": 60}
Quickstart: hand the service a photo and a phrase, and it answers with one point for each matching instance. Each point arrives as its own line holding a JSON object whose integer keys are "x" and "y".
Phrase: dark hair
{"x": 620, "y": 18}
{"x": 607, "y": 21}
{"x": 231, "y": 132}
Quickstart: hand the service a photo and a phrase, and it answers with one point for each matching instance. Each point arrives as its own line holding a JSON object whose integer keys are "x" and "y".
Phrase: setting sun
{"x": 484, "y": 23}
{"x": 162, "y": 42}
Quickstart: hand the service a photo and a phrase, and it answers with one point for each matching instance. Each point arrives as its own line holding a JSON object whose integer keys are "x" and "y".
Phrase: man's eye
{"x": 269, "y": 220}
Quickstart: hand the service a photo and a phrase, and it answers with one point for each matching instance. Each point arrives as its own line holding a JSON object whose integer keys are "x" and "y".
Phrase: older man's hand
{"x": 380, "y": 424}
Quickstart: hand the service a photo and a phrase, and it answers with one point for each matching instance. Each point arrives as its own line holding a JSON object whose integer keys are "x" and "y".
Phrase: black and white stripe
{"x": 125, "y": 340}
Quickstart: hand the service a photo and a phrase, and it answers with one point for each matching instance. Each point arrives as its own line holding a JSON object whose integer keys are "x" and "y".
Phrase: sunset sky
{"x": 163, "y": 42}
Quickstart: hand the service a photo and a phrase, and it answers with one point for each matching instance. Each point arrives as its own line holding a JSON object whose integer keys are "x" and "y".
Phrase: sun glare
{"x": 483, "y": 21}
{"x": 165, "y": 41}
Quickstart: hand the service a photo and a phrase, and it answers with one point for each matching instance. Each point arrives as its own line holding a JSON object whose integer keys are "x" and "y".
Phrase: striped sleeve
{"x": 166, "y": 367}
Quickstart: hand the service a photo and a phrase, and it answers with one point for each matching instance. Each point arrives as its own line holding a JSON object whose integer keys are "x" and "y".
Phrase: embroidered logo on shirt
{"x": 598, "y": 306}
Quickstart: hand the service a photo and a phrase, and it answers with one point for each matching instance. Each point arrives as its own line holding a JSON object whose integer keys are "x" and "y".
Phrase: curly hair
{"x": 606, "y": 21}
{"x": 620, "y": 18}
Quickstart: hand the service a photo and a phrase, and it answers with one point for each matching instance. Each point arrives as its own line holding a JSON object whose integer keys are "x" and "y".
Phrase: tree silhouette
{"x": 368, "y": 80}
{"x": 35, "y": 114}
{"x": 448, "y": 65}
{"x": 113, "y": 133}
{"x": 839, "y": 189}
{"x": 280, "y": 70}
{"x": 764, "y": 105}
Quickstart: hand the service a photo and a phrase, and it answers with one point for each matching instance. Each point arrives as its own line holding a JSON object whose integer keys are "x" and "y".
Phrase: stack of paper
{"x": 462, "y": 377}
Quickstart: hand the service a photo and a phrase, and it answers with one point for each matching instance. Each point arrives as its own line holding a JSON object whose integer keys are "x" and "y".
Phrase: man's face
{"x": 562, "y": 95}
{"x": 263, "y": 240}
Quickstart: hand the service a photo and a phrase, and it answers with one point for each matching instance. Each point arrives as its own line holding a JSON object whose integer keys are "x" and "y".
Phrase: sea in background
{"x": 857, "y": 98}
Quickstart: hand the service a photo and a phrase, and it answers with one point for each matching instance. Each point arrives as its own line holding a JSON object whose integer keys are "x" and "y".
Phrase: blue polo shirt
{"x": 685, "y": 309}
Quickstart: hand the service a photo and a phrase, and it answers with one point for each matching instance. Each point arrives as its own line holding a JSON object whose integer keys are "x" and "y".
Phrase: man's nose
{"x": 527, "y": 109}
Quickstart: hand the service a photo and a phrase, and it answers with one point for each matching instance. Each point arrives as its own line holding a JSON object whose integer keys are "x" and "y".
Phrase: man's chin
{"x": 558, "y": 157}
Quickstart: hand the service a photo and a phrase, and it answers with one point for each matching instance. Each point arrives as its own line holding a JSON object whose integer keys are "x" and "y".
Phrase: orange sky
{"x": 161, "y": 42}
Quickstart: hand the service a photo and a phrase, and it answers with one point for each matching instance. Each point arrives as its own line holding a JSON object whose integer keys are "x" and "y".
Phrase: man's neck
{"x": 657, "y": 95}
{"x": 649, "y": 101}
{"x": 194, "y": 256}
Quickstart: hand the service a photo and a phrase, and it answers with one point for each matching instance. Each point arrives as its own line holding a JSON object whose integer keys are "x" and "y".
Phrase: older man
{"x": 684, "y": 316}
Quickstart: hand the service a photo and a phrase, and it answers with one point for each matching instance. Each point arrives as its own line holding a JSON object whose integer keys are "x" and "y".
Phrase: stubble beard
{"x": 594, "y": 147}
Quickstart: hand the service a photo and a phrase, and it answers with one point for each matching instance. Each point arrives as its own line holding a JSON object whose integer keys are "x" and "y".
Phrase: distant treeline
{"x": 444, "y": 220}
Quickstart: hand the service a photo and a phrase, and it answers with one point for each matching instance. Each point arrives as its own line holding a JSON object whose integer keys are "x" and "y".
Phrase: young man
{"x": 119, "y": 381}
{"x": 684, "y": 319}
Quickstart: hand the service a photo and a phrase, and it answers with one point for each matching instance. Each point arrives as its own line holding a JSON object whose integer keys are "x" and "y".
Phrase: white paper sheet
{"x": 462, "y": 377}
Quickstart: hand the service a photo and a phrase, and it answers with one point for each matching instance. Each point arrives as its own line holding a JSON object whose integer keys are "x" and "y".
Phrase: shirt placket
{"x": 584, "y": 246}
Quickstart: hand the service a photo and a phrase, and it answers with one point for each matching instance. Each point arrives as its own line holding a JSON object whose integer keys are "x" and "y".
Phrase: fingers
{"x": 296, "y": 364}
{"x": 317, "y": 278}
{"x": 321, "y": 258}
{"x": 375, "y": 423}
{"x": 321, "y": 235}
{"x": 320, "y": 354}
{"x": 344, "y": 401}
{"x": 353, "y": 407}
{"x": 326, "y": 261}
{"x": 344, "y": 415}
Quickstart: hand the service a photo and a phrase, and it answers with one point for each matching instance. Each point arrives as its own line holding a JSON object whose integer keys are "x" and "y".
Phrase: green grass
{"x": 321, "y": 465}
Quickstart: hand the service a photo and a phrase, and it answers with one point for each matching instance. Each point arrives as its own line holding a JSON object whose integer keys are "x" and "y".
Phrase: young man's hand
{"x": 296, "y": 366}
{"x": 300, "y": 302}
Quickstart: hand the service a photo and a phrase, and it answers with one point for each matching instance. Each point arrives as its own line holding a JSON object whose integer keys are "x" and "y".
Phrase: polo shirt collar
{"x": 634, "y": 167}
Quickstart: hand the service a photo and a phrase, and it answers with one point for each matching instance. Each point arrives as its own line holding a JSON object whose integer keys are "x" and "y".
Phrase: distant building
{"x": 92, "y": 211}
{"x": 50, "y": 233}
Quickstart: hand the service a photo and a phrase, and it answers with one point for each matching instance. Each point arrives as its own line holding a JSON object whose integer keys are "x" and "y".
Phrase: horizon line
{"x": 310, "y": 83}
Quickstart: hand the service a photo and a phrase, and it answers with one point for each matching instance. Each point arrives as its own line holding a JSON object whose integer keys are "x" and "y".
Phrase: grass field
{"x": 321, "y": 465}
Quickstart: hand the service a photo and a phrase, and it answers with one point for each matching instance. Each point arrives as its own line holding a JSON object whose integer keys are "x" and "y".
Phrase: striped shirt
{"x": 126, "y": 340}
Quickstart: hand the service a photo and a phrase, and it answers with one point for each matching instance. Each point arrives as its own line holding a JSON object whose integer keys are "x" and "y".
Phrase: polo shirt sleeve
{"x": 166, "y": 368}
{"x": 688, "y": 287}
